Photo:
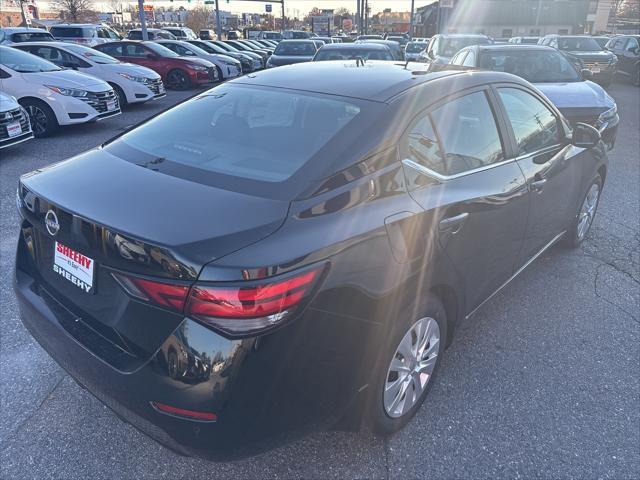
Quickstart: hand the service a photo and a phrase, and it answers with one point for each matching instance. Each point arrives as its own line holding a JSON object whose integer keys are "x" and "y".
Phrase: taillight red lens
{"x": 247, "y": 309}
{"x": 167, "y": 295}
{"x": 237, "y": 310}
{"x": 182, "y": 412}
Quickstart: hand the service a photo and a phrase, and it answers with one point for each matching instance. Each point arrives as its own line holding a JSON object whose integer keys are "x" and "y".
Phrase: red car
{"x": 177, "y": 72}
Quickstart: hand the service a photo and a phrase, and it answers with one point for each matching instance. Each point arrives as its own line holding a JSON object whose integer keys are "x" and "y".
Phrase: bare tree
{"x": 198, "y": 18}
{"x": 74, "y": 10}
{"x": 116, "y": 5}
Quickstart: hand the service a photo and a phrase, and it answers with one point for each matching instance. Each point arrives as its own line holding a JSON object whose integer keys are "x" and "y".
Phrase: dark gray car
{"x": 292, "y": 51}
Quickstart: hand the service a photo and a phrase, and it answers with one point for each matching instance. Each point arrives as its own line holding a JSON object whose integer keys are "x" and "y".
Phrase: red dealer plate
{"x": 74, "y": 267}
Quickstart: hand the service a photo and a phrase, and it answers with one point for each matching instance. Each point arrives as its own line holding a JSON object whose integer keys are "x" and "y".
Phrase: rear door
{"x": 629, "y": 56}
{"x": 549, "y": 163}
{"x": 459, "y": 171}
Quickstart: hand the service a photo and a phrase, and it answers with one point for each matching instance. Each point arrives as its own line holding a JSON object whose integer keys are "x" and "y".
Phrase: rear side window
{"x": 422, "y": 146}
{"x": 468, "y": 134}
{"x": 534, "y": 125}
{"x": 256, "y": 134}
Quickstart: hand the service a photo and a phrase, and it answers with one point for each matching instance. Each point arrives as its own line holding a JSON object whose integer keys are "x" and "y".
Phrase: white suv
{"x": 84, "y": 33}
{"x": 132, "y": 83}
{"x": 53, "y": 96}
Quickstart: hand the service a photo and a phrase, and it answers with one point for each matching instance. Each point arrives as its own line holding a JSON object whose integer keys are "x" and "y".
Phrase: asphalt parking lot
{"x": 544, "y": 381}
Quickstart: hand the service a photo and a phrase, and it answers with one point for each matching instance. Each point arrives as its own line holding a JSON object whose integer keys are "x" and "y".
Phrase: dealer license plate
{"x": 111, "y": 105}
{"x": 74, "y": 267}
{"x": 14, "y": 129}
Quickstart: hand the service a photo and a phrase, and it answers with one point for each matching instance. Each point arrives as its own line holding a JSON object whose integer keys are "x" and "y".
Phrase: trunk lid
{"x": 112, "y": 215}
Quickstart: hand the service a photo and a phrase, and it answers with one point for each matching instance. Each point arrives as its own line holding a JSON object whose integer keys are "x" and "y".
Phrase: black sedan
{"x": 304, "y": 249}
{"x": 627, "y": 49}
{"x": 292, "y": 51}
{"x": 579, "y": 99}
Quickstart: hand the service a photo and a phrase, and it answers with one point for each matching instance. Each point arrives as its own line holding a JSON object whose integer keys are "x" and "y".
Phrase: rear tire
{"x": 43, "y": 120}
{"x": 408, "y": 365}
{"x": 582, "y": 221}
{"x": 178, "y": 80}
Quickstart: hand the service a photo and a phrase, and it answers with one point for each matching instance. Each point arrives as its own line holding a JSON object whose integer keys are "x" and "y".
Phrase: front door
{"x": 549, "y": 164}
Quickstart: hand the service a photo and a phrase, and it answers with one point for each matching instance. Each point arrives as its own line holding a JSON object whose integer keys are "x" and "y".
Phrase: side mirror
{"x": 585, "y": 136}
{"x": 586, "y": 73}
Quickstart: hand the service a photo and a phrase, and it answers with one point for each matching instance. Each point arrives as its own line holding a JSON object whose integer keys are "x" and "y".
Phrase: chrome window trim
{"x": 443, "y": 178}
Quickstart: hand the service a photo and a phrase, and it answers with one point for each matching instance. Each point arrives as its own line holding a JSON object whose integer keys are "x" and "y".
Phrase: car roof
{"x": 22, "y": 30}
{"x": 462, "y": 35}
{"x": 377, "y": 81}
{"x": 359, "y": 46}
{"x": 511, "y": 46}
{"x": 75, "y": 25}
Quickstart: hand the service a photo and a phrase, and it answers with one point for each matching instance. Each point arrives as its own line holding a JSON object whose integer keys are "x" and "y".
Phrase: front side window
{"x": 467, "y": 134}
{"x": 92, "y": 54}
{"x": 135, "y": 50}
{"x": 114, "y": 50}
{"x": 632, "y": 45}
{"x": 534, "y": 125}
{"x": 247, "y": 133}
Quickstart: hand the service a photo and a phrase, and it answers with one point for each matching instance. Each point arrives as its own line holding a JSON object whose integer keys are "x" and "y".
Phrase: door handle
{"x": 538, "y": 185}
{"x": 453, "y": 225}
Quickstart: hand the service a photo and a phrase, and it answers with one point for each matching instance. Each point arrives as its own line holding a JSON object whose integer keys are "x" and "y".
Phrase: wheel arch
{"x": 602, "y": 171}
{"x": 451, "y": 301}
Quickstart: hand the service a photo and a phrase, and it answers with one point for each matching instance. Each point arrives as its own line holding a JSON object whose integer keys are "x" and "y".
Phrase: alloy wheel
{"x": 588, "y": 211}
{"x": 177, "y": 80}
{"x": 411, "y": 367}
{"x": 38, "y": 118}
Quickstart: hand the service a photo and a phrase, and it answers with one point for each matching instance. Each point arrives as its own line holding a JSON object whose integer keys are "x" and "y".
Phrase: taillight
{"x": 236, "y": 310}
{"x": 163, "y": 294}
{"x": 184, "y": 413}
{"x": 241, "y": 310}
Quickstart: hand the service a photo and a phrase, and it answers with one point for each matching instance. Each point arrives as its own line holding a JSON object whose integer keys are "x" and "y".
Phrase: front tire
{"x": 408, "y": 365}
{"x": 178, "y": 80}
{"x": 122, "y": 98}
{"x": 43, "y": 120}
{"x": 220, "y": 76}
{"x": 581, "y": 223}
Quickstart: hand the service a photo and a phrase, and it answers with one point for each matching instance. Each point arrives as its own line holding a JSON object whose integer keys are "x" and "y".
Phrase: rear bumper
{"x": 265, "y": 391}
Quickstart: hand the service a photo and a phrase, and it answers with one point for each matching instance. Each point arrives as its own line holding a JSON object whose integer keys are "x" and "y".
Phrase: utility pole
{"x": 24, "y": 15}
{"x": 282, "y": 29}
{"x": 358, "y": 16}
{"x": 143, "y": 21}
{"x": 411, "y": 20}
{"x": 218, "y": 26}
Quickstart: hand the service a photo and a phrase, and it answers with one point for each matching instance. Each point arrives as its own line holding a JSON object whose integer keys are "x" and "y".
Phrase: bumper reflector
{"x": 183, "y": 413}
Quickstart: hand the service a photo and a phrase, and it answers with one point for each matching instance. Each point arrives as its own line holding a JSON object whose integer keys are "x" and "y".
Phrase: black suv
{"x": 585, "y": 52}
{"x": 627, "y": 49}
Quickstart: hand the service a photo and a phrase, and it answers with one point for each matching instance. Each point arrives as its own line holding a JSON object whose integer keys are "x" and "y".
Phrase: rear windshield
{"x": 295, "y": 49}
{"x": 249, "y": 133}
{"x": 448, "y": 47}
{"x": 32, "y": 37}
{"x": 415, "y": 47}
{"x": 70, "y": 32}
{"x": 352, "y": 53}
{"x": 534, "y": 66}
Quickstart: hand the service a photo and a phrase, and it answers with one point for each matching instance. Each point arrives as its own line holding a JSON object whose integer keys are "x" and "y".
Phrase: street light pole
{"x": 411, "y": 20}
{"x": 218, "y": 26}
{"x": 143, "y": 22}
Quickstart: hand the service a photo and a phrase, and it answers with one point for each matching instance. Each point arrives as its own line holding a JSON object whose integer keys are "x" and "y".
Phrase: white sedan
{"x": 227, "y": 67}
{"x": 132, "y": 83}
{"x": 53, "y": 96}
{"x": 14, "y": 122}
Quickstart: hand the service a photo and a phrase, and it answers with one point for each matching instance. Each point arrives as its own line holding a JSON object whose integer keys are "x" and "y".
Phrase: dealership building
{"x": 509, "y": 18}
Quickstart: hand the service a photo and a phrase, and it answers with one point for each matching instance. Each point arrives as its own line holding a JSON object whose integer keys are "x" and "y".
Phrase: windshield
{"x": 352, "y": 53}
{"x": 160, "y": 50}
{"x": 70, "y": 32}
{"x": 226, "y": 47}
{"x": 578, "y": 44}
{"x": 24, "y": 62}
{"x": 415, "y": 47}
{"x": 295, "y": 49}
{"x": 534, "y": 66}
{"x": 448, "y": 47}
{"x": 91, "y": 54}
{"x": 602, "y": 41}
{"x": 251, "y": 133}
{"x": 32, "y": 37}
